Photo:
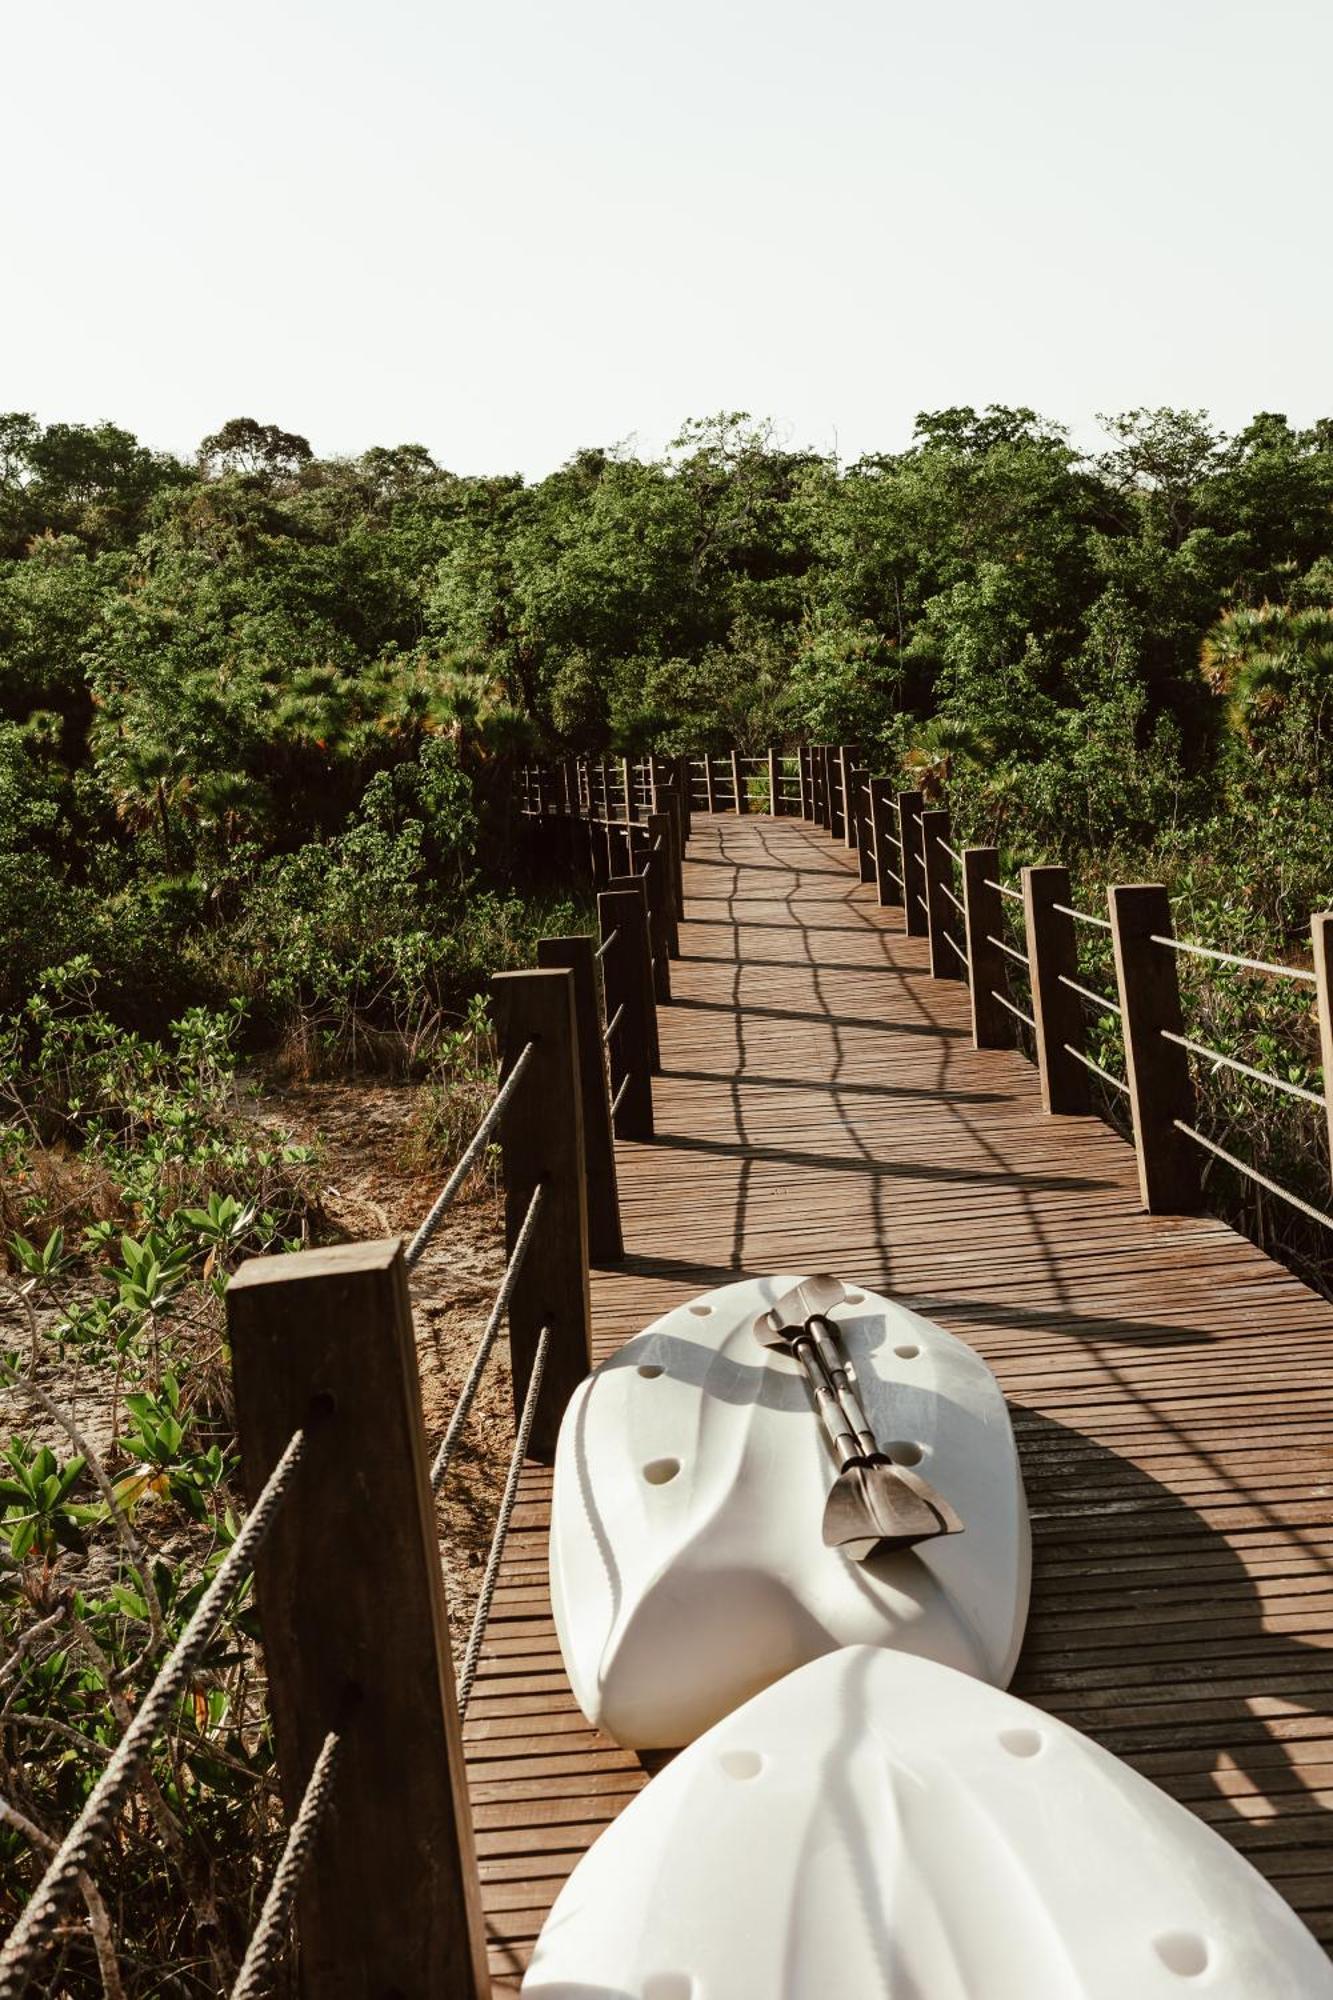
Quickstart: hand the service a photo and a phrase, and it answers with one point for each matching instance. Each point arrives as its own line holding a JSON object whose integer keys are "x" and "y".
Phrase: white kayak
{"x": 877, "y": 1825}
{"x": 688, "y": 1567}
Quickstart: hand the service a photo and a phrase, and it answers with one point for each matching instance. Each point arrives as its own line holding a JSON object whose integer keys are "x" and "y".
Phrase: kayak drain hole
{"x": 701, "y": 1312}
{"x": 649, "y": 1371}
{"x": 1021, "y": 1742}
{"x": 903, "y": 1453}
{"x": 1182, "y": 1952}
{"x": 660, "y": 1471}
{"x": 853, "y": 1298}
{"x": 741, "y": 1763}
{"x": 907, "y": 1353}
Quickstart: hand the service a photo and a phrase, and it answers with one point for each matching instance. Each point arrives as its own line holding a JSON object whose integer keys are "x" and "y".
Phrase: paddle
{"x": 874, "y": 1504}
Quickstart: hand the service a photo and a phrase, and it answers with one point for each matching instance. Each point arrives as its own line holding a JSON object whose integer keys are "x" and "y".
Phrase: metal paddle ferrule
{"x": 874, "y": 1504}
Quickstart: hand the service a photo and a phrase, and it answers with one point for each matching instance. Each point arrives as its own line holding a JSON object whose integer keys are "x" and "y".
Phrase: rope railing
{"x": 955, "y": 947}
{"x": 1116, "y": 1083}
{"x": 606, "y": 944}
{"x": 1010, "y": 1008}
{"x": 624, "y": 1086}
{"x": 489, "y": 1335}
{"x": 957, "y": 901}
{"x": 1082, "y": 916}
{"x": 609, "y": 1030}
{"x": 1094, "y": 999}
{"x": 1014, "y": 895}
{"x": 1019, "y": 957}
{"x": 1233, "y": 958}
{"x": 1244, "y": 1068}
{"x": 468, "y": 1671}
{"x": 269, "y": 1941}
{"x": 952, "y": 852}
{"x": 77, "y": 1853}
{"x": 476, "y": 1146}
{"x": 1252, "y": 1173}
{"x": 894, "y": 876}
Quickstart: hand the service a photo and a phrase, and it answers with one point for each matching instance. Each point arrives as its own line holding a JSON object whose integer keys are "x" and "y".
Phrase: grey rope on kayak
{"x": 468, "y": 1671}
{"x": 475, "y": 1148}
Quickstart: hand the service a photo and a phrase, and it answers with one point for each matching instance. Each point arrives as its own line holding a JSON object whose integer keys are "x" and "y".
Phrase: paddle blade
{"x": 875, "y": 1505}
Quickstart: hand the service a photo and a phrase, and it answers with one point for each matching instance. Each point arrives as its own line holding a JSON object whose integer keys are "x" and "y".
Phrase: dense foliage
{"x": 255, "y": 711}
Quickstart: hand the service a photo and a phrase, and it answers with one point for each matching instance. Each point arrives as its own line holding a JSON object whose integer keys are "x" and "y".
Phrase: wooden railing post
{"x": 803, "y": 773}
{"x": 910, "y": 806}
{"x": 606, "y": 1244}
{"x": 992, "y": 1027}
{"x": 740, "y": 795}
{"x": 636, "y": 885}
{"x": 709, "y": 791}
{"x": 848, "y": 757}
{"x": 837, "y": 818}
{"x": 945, "y": 926}
{"x": 620, "y": 922}
{"x": 541, "y": 1139}
{"x": 774, "y": 783}
{"x": 882, "y": 826}
{"x": 865, "y": 859}
{"x": 350, "y": 1595}
{"x": 819, "y": 763}
{"x": 1321, "y": 940}
{"x": 656, "y": 867}
{"x": 685, "y": 792}
{"x": 1161, "y": 1088}
{"x": 1052, "y": 948}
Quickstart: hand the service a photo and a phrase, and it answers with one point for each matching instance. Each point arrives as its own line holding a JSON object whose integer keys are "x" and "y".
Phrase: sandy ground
{"x": 362, "y": 1131}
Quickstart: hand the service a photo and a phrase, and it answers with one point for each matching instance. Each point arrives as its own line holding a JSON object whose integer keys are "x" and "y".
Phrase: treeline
{"x": 256, "y": 710}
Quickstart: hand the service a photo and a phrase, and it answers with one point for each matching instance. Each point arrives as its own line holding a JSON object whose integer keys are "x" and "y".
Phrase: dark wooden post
{"x": 685, "y": 792}
{"x": 847, "y": 760}
{"x": 865, "y": 838}
{"x": 541, "y": 1139}
{"x": 837, "y": 817}
{"x": 942, "y": 913}
{"x": 1052, "y": 949}
{"x": 620, "y": 922}
{"x": 992, "y": 1026}
{"x": 804, "y": 782}
{"x": 356, "y": 1636}
{"x": 577, "y": 955}
{"x": 662, "y": 826}
{"x": 910, "y": 806}
{"x": 819, "y": 773}
{"x": 1321, "y": 939}
{"x": 882, "y": 818}
{"x": 709, "y": 792}
{"x": 738, "y": 786}
{"x": 636, "y": 884}
{"x": 1161, "y": 1088}
{"x": 652, "y": 863}
{"x": 774, "y": 787}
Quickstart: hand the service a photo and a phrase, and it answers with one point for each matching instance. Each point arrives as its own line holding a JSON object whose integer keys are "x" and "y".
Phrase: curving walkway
{"x": 822, "y": 1107}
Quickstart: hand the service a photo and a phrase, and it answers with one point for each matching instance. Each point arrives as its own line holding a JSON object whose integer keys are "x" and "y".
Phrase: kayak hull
{"x": 688, "y": 1567}
{"x": 880, "y": 1825}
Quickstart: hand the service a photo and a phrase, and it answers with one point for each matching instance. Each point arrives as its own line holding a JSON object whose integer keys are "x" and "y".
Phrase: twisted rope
{"x": 41, "y": 1915}
{"x": 487, "y": 1341}
{"x": 1253, "y": 1174}
{"x": 1096, "y": 1068}
{"x": 271, "y": 1933}
{"x": 1245, "y": 1069}
{"x": 468, "y": 1671}
{"x": 1231, "y": 958}
{"x": 1096, "y": 1000}
{"x": 476, "y": 1147}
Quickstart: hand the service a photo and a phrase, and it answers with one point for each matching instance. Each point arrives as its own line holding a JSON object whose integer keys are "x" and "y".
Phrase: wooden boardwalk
{"x": 822, "y": 1107}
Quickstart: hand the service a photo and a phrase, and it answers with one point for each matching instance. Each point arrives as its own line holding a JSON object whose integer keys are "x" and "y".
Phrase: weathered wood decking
{"x": 1172, "y": 1389}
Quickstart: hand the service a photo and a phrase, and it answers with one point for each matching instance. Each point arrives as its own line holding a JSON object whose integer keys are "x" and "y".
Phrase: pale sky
{"x": 508, "y": 231}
